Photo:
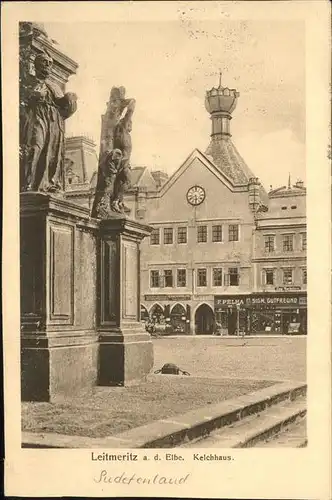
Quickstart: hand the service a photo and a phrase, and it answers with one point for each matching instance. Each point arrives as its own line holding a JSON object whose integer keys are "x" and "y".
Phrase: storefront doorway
{"x": 157, "y": 314}
{"x": 232, "y": 322}
{"x": 178, "y": 317}
{"x": 204, "y": 320}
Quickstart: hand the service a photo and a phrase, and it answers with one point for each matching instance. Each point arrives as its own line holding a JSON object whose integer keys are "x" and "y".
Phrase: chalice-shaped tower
{"x": 220, "y": 102}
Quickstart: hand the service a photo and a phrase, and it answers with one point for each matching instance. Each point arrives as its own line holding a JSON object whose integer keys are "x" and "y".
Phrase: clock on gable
{"x": 195, "y": 195}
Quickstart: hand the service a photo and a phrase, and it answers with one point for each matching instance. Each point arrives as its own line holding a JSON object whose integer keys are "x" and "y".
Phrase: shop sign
{"x": 170, "y": 298}
{"x": 229, "y": 301}
{"x": 287, "y": 288}
{"x": 259, "y": 300}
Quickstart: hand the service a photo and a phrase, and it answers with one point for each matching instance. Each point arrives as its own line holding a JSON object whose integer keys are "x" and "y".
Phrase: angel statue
{"x": 42, "y": 115}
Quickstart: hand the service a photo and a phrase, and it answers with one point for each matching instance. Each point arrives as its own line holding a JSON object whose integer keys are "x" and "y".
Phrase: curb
{"x": 235, "y": 337}
{"x": 271, "y": 430}
{"x": 252, "y": 430}
{"x": 168, "y": 433}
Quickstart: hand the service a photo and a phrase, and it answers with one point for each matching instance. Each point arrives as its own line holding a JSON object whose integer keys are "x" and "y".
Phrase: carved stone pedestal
{"x": 80, "y": 309}
{"x": 59, "y": 342}
{"x": 125, "y": 349}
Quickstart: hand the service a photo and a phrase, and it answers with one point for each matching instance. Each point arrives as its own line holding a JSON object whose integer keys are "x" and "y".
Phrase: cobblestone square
{"x": 264, "y": 358}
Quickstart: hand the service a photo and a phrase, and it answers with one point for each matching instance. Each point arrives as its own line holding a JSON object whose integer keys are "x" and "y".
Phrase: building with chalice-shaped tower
{"x": 203, "y": 221}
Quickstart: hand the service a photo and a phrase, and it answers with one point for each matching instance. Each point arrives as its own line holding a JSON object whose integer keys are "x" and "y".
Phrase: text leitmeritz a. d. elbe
{"x": 169, "y": 457}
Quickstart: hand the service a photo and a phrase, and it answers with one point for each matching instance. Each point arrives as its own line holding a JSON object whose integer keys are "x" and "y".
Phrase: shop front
{"x": 169, "y": 311}
{"x": 280, "y": 313}
{"x": 232, "y": 314}
{"x": 283, "y": 313}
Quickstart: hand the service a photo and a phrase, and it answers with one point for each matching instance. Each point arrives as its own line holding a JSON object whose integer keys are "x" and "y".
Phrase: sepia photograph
{"x": 162, "y": 180}
{"x": 152, "y": 247}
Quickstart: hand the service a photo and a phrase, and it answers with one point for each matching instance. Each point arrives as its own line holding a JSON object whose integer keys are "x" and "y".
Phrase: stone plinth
{"x": 59, "y": 342}
{"x": 125, "y": 349}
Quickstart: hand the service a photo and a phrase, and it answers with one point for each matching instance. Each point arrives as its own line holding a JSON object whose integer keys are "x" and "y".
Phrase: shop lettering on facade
{"x": 275, "y": 300}
{"x": 230, "y": 302}
{"x": 172, "y": 298}
{"x": 248, "y": 301}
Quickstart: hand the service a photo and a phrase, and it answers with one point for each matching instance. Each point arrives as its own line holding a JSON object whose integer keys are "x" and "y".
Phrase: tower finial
{"x": 220, "y": 73}
{"x": 289, "y": 181}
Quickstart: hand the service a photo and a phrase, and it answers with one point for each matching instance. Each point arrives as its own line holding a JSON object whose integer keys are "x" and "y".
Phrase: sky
{"x": 168, "y": 66}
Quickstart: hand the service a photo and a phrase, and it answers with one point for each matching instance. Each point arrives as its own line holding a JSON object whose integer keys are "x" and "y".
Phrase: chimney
{"x": 220, "y": 102}
{"x": 299, "y": 184}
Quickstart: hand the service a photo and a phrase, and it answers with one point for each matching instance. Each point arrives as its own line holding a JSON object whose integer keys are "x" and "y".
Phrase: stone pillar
{"x": 192, "y": 324}
{"x": 58, "y": 298}
{"x": 125, "y": 348}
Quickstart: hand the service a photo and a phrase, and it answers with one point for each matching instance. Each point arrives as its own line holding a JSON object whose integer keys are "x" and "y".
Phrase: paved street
{"x": 266, "y": 358}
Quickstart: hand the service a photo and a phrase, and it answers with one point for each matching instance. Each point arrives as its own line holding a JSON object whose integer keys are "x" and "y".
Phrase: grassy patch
{"x": 110, "y": 410}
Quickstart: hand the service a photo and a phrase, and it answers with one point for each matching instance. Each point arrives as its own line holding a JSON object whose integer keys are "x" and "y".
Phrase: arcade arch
{"x": 204, "y": 320}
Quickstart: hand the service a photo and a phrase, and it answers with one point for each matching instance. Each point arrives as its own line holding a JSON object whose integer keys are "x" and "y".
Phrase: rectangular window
{"x": 304, "y": 241}
{"x": 168, "y": 235}
{"x": 181, "y": 278}
{"x": 217, "y": 276}
{"x": 304, "y": 276}
{"x": 288, "y": 243}
{"x": 269, "y": 243}
{"x": 216, "y": 233}
{"x": 155, "y": 236}
{"x": 201, "y": 277}
{"x": 233, "y": 232}
{"x": 269, "y": 277}
{"x": 288, "y": 276}
{"x": 233, "y": 276}
{"x": 182, "y": 235}
{"x": 154, "y": 279}
{"x": 168, "y": 278}
{"x": 202, "y": 234}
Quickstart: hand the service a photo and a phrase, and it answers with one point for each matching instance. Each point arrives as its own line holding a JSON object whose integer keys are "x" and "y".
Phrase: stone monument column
{"x": 125, "y": 348}
{"x": 59, "y": 348}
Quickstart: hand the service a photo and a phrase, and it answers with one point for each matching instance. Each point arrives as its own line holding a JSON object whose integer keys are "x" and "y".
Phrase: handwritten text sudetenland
{"x": 103, "y": 476}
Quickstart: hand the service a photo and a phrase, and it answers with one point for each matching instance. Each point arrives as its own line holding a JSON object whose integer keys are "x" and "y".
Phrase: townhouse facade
{"x": 279, "y": 263}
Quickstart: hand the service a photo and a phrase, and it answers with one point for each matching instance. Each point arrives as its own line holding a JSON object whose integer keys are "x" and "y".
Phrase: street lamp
{"x": 237, "y": 319}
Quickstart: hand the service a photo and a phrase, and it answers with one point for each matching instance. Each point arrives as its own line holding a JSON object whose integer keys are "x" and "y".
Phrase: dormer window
{"x": 283, "y": 208}
{"x": 293, "y": 207}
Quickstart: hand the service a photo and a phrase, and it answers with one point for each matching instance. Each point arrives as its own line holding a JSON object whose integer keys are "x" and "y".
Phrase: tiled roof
{"x": 229, "y": 161}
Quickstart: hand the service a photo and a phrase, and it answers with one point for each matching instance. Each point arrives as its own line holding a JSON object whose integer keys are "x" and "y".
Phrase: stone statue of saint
{"x": 42, "y": 130}
{"x": 122, "y": 141}
{"x": 115, "y": 136}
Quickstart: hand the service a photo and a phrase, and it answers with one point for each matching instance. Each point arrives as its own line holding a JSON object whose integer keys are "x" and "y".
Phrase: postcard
{"x": 167, "y": 249}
